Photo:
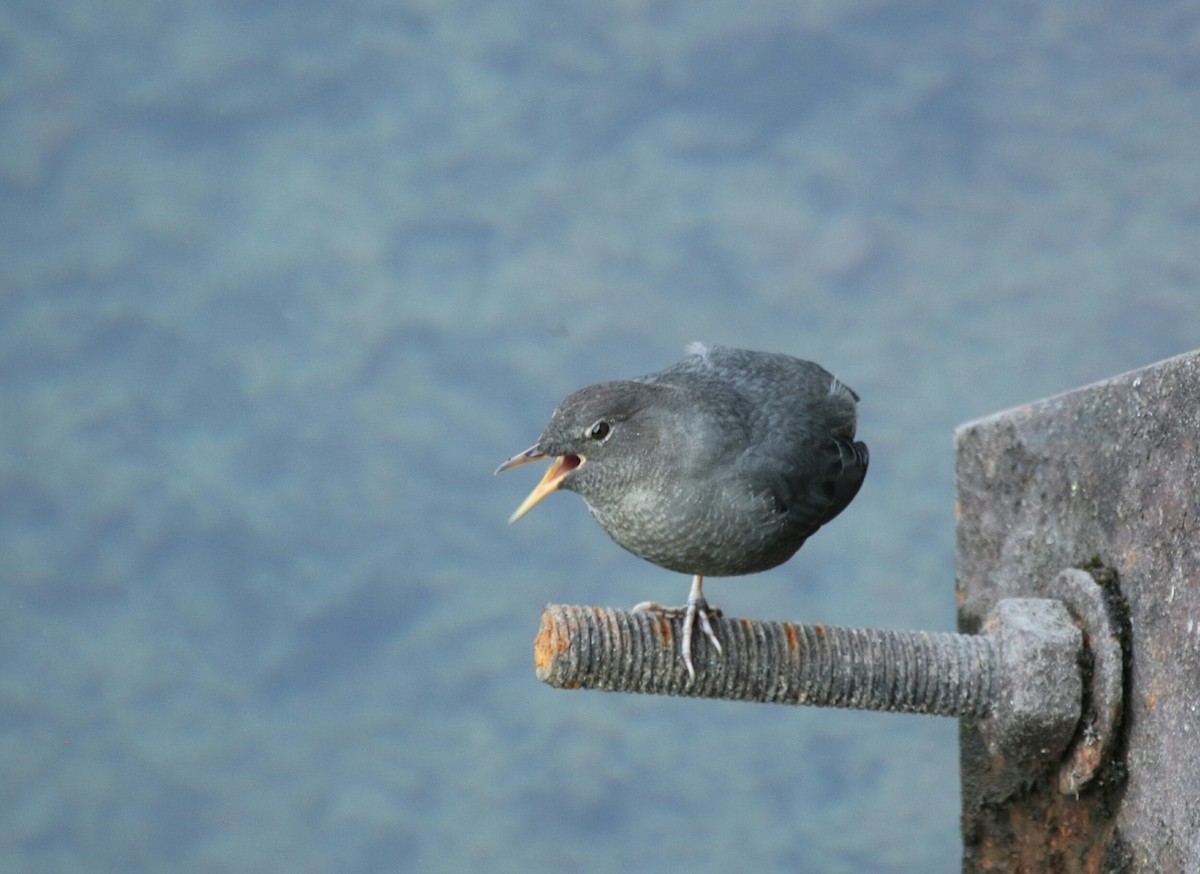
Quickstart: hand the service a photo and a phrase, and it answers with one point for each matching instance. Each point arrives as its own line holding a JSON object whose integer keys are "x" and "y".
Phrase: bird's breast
{"x": 707, "y": 532}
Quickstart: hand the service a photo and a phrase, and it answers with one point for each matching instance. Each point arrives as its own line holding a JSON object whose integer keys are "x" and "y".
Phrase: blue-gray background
{"x": 282, "y": 283}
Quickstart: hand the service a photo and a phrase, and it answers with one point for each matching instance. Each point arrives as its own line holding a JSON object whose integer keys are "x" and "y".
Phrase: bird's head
{"x": 596, "y": 438}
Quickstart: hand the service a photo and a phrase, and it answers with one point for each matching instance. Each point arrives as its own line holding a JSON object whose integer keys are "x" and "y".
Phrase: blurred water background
{"x": 282, "y": 283}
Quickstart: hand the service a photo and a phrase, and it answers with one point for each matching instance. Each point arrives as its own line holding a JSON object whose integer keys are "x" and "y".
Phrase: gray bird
{"x": 720, "y": 465}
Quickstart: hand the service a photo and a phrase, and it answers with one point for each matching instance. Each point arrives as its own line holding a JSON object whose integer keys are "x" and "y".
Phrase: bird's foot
{"x": 697, "y": 608}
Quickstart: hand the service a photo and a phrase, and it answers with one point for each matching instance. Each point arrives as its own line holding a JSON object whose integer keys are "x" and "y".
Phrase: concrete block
{"x": 1106, "y": 478}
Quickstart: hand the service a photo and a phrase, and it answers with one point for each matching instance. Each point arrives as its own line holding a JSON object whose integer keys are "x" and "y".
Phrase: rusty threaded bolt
{"x": 1022, "y": 679}
{"x": 779, "y": 662}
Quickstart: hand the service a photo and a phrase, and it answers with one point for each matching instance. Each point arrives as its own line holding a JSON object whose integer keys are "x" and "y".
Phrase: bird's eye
{"x": 600, "y": 430}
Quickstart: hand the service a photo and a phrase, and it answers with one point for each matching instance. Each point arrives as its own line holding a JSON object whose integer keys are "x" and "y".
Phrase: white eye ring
{"x": 600, "y": 431}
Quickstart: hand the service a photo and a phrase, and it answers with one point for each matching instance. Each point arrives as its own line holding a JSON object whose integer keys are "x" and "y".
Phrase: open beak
{"x": 559, "y": 468}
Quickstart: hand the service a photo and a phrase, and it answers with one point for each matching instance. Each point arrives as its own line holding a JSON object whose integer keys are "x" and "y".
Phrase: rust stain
{"x": 1151, "y": 699}
{"x": 543, "y": 649}
{"x": 1089, "y": 755}
{"x": 792, "y": 637}
{"x": 548, "y": 645}
{"x": 1043, "y": 831}
{"x": 666, "y": 631}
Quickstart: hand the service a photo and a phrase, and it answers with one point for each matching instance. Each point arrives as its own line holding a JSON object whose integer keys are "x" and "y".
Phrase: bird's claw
{"x": 695, "y": 609}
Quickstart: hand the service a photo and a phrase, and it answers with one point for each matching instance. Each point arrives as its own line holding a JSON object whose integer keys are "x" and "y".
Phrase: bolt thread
{"x": 940, "y": 674}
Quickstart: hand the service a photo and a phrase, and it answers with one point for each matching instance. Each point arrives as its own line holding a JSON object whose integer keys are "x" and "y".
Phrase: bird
{"x": 722, "y": 464}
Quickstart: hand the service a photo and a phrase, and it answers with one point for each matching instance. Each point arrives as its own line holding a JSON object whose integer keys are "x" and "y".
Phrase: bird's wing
{"x": 820, "y": 482}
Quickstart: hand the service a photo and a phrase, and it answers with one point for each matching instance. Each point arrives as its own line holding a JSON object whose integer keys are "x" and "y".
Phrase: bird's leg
{"x": 696, "y": 608}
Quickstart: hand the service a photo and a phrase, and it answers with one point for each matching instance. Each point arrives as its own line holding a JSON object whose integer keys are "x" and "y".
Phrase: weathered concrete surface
{"x": 1109, "y": 475}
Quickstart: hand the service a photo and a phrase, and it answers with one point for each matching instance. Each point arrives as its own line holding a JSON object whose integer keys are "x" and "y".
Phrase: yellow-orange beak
{"x": 559, "y": 468}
